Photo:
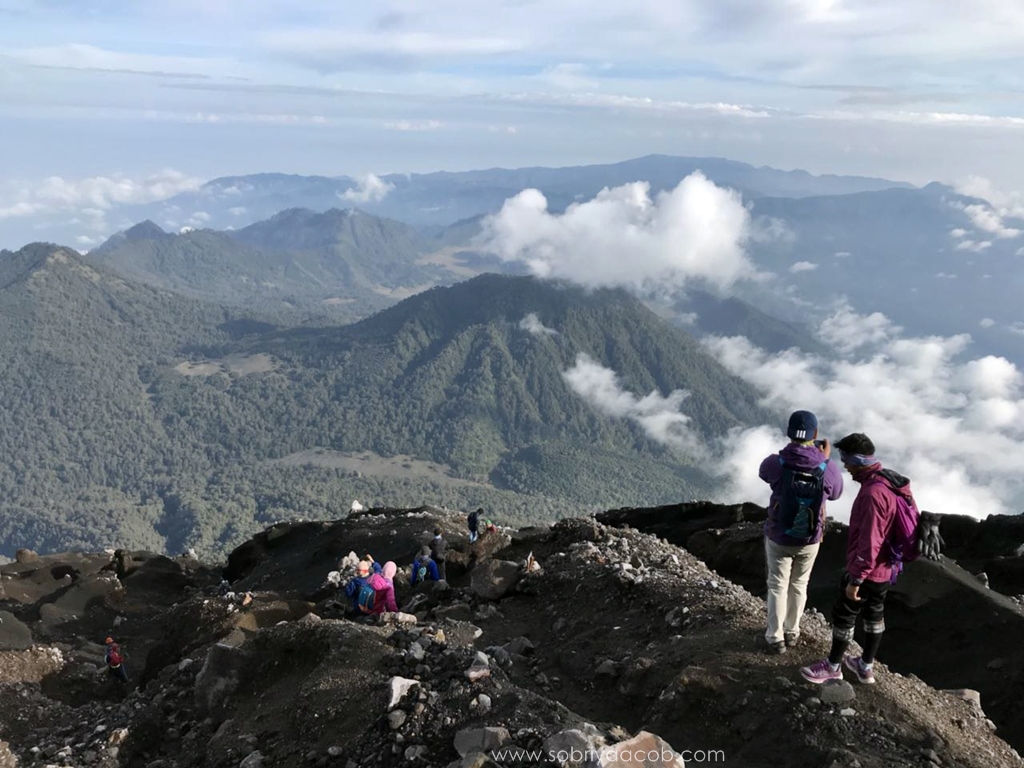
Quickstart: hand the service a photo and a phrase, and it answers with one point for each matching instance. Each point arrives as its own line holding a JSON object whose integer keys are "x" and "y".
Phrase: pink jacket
{"x": 385, "y": 589}
{"x": 871, "y": 520}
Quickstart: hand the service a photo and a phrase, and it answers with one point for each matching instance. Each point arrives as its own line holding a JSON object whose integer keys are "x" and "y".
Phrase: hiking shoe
{"x": 820, "y": 672}
{"x": 856, "y": 665}
{"x": 792, "y": 639}
{"x": 774, "y": 649}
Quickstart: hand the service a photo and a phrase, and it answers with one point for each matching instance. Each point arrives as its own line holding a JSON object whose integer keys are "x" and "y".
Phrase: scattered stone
{"x": 480, "y": 740}
{"x": 400, "y": 686}
{"x": 396, "y": 719}
{"x": 837, "y": 692}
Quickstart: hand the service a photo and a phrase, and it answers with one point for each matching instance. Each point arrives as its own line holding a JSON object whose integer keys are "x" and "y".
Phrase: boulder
{"x": 399, "y": 687}
{"x": 219, "y": 677}
{"x": 470, "y": 740}
{"x": 14, "y": 635}
{"x": 494, "y": 579}
{"x": 574, "y": 748}
{"x": 645, "y": 750}
{"x": 837, "y": 692}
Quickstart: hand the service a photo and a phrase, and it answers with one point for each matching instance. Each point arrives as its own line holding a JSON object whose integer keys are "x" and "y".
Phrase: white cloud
{"x": 957, "y": 233}
{"x": 199, "y": 219}
{"x": 987, "y": 322}
{"x": 1001, "y": 205}
{"x": 989, "y": 220}
{"x": 91, "y": 196}
{"x": 622, "y": 237}
{"x": 945, "y": 276}
{"x": 532, "y": 324}
{"x": 803, "y": 266}
{"x": 842, "y": 254}
{"x": 1017, "y": 328}
{"x": 847, "y": 331}
{"x": 413, "y": 125}
{"x": 369, "y": 189}
{"x": 238, "y": 210}
{"x": 973, "y": 246}
{"x": 658, "y": 416}
{"x": 1006, "y": 203}
{"x": 955, "y": 427}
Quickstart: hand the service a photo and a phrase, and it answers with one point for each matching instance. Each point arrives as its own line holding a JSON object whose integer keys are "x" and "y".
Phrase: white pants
{"x": 789, "y": 570}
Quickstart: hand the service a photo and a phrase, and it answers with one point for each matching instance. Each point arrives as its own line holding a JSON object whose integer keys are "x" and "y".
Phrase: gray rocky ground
{"x": 615, "y": 643}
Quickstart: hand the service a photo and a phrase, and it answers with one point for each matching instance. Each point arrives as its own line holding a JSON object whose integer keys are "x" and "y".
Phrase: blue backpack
{"x": 367, "y": 598}
{"x": 799, "y": 507}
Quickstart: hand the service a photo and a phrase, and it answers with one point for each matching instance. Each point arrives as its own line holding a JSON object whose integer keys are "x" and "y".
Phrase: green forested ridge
{"x": 104, "y": 442}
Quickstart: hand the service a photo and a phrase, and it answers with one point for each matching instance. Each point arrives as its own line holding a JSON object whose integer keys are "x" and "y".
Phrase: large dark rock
{"x": 676, "y": 523}
{"x": 14, "y": 635}
{"x": 494, "y": 579}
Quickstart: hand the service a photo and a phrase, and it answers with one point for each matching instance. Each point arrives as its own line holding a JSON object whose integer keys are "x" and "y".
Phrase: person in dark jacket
{"x": 869, "y": 570}
{"x": 790, "y": 553}
{"x": 438, "y": 551}
{"x": 115, "y": 661}
{"x": 473, "y": 521}
{"x": 424, "y": 568}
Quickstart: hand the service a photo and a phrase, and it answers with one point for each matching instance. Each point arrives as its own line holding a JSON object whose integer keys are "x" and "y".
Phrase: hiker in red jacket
{"x": 115, "y": 661}
{"x": 869, "y": 567}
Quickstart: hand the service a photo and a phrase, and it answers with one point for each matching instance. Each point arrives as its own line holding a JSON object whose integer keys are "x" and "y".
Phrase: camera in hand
{"x": 820, "y": 444}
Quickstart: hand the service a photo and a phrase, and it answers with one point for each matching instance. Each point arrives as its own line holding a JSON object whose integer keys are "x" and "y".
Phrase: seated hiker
{"x": 364, "y": 570}
{"x": 115, "y": 661}
{"x": 489, "y": 526}
{"x": 377, "y": 594}
{"x": 424, "y": 568}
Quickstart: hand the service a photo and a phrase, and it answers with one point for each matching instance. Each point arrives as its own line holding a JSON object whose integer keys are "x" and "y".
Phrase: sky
{"x": 951, "y": 420}
{"x": 128, "y": 89}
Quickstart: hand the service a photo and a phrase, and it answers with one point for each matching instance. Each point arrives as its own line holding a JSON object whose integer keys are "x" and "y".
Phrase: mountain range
{"x": 141, "y": 417}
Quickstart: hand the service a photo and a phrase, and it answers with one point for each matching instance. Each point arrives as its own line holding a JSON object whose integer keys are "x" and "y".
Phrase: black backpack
{"x": 800, "y": 502}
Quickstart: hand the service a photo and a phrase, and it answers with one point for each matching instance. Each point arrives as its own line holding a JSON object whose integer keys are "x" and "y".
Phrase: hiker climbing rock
{"x": 438, "y": 551}
{"x": 883, "y": 527}
{"x": 473, "y": 522}
{"x": 115, "y": 661}
{"x": 424, "y": 568}
{"x": 801, "y": 477}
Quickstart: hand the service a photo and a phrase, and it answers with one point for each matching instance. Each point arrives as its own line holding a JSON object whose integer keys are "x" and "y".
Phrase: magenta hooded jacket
{"x": 874, "y": 509}
{"x": 384, "y": 588}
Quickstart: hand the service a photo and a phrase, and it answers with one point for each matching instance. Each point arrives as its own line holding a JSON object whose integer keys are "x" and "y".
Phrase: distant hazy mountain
{"x": 443, "y": 198}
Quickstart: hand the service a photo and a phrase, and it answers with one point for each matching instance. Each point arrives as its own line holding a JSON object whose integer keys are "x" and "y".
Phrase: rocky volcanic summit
{"x": 613, "y": 645}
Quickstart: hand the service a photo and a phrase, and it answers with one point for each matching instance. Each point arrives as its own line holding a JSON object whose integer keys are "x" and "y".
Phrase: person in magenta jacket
{"x": 383, "y": 584}
{"x": 790, "y": 559}
{"x": 869, "y": 571}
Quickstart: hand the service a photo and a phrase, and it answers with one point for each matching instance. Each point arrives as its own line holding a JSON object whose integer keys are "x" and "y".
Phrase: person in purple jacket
{"x": 801, "y": 477}
{"x": 869, "y": 570}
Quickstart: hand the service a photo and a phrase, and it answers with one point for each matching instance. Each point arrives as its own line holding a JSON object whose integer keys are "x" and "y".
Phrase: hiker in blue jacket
{"x": 424, "y": 568}
{"x": 364, "y": 570}
{"x": 801, "y": 477}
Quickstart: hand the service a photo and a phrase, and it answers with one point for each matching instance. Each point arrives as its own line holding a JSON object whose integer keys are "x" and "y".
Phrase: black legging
{"x": 845, "y": 613}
